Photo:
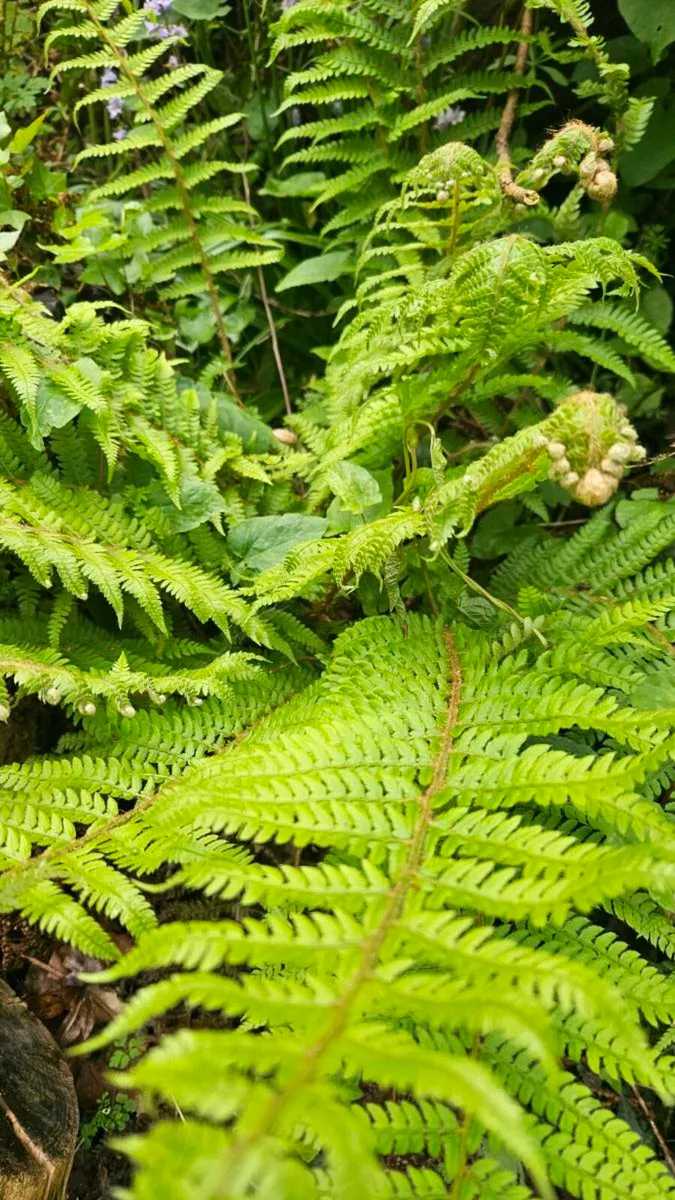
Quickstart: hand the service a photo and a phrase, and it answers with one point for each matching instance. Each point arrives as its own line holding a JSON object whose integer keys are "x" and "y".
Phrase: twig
{"x": 275, "y": 343}
{"x": 518, "y": 194}
{"x": 270, "y": 321}
{"x": 655, "y": 1129}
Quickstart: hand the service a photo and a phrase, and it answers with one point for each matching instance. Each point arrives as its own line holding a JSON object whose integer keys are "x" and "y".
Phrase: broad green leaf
{"x": 255, "y": 434}
{"x": 306, "y": 183}
{"x": 654, "y": 152}
{"x": 656, "y": 306}
{"x": 54, "y": 408}
{"x": 355, "y": 488}
{"x": 656, "y": 690}
{"x": 23, "y": 137}
{"x": 8, "y": 238}
{"x": 199, "y": 502}
{"x": 200, "y": 10}
{"x": 13, "y": 217}
{"x": 322, "y": 269}
{"x": 262, "y": 542}
{"x": 652, "y": 21}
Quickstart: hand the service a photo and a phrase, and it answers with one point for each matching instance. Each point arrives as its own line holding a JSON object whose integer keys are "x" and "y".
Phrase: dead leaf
{"x": 54, "y": 989}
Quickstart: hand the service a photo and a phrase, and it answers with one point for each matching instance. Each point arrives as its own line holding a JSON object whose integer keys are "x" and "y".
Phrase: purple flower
{"x": 453, "y": 115}
{"x": 286, "y": 4}
{"x": 173, "y": 61}
{"x": 162, "y": 32}
{"x": 115, "y": 106}
{"x": 158, "y": 6}
{"x": 120, "y": 134}
{"x": 108, "y": 77}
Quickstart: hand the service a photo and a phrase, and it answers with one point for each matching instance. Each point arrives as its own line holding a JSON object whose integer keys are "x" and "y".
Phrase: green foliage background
{"x": 322, "y": 327}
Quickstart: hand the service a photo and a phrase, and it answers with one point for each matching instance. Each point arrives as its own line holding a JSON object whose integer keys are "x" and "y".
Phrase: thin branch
{"x": 655, "y": 1129}
{"x": 270, "y": 321}
{"x": 516, "y": 193}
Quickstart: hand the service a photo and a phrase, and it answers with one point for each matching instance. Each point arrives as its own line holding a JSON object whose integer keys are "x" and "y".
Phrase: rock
{"x": 38, "y": 1107}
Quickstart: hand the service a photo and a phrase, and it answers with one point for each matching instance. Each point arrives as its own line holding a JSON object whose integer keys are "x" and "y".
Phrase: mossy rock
{"x": 38, "y": 1107}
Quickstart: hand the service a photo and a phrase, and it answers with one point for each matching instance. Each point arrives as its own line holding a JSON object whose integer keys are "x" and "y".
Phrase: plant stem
{"x": 270, "y": 321}
{"x": 518, "y": 194}
{"x": 374, "y": 944}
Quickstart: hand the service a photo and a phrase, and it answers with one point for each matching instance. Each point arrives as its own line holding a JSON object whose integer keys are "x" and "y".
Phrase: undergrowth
{"x": 312, "y": 590}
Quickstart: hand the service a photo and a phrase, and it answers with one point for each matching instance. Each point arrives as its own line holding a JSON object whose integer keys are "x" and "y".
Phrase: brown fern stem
{"x": 510, "y": 188}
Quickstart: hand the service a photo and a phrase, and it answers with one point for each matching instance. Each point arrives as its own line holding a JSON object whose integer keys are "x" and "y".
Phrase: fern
{"x": 387, "y": 64}
{"x": 208, "y": 240}
{"x": 344, "y": 969}
{"x": 414, "y": 809}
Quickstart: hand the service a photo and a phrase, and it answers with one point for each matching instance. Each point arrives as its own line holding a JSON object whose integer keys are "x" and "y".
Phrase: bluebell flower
{"x": 115, "y": 106}
{"x": 453, "y": 115}
{"x": 108, "y": 77}
{"x": 120, "y": 134}
{"x": 158, "y": 6}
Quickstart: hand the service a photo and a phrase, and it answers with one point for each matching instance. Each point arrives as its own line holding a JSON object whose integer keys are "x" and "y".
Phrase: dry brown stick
{"x": 518, "y": 194}
{"x": 270, "y": 321}
{"x": 275, "y": 341}
{"x": 655, "y": 1129}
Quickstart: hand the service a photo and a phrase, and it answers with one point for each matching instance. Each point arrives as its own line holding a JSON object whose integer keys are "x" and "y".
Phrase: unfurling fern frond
{"x": 385, "y": 73}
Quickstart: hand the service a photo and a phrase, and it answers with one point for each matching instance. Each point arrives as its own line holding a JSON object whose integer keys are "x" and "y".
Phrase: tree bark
{"x": 38, "y": 1107}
